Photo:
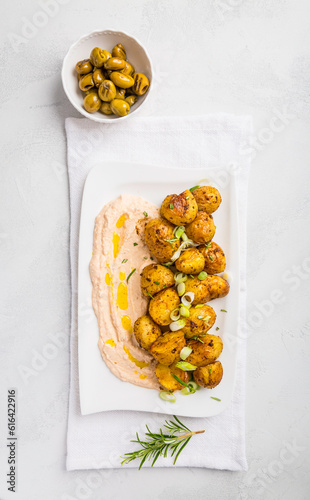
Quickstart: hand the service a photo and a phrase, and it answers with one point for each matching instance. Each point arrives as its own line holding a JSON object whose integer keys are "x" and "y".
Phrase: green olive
{"x": 106, "y": 108}
{"x": 141, "y": 83}
{"x": 120, "y": 107}
{"x": 120, "y": 93}
{"x": 115, "y": 63}
{"x": 84, "y": 67}
{"x": 121, "y": 80}
{"x": 128, "y": 69}
{"x": 107, "y": 91}
{"x": 131, "y": 99}
{"x": 92, "y": 102}
{"x": 86, "y": 82}
{"x": 98, "y": 57}
{"x": 93, "y": 90}
{"x": 98, "y": 76}
{"x": 119, "y": 51}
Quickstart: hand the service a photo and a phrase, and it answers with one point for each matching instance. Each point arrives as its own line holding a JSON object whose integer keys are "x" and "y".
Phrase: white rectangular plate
{"x": 100, "y": 390}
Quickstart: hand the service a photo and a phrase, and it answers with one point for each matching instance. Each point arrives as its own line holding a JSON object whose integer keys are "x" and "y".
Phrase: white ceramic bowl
{"x": 106, "y": 39}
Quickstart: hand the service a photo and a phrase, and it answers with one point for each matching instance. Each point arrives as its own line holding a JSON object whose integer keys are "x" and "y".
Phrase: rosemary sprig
{"x": 159, "y": 444}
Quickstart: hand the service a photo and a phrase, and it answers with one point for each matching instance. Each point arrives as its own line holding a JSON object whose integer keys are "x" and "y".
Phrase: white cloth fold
{"x": 98, "y": 440}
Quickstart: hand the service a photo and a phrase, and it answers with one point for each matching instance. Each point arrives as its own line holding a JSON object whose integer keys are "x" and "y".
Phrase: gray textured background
{"x": 238, "y": 56}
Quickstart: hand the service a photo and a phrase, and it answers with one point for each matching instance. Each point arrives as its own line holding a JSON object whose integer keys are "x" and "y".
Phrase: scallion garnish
{"x": 171, "y": 205}
{"x": 150, "y": 295}
{"x": 124, "y": 261}
{"x": 130, "y": 274}
{"x": 217, "y": 328}
{"x": 224, "y": 310}
{"x": 211, "y": 257}
{"x": 193, "y": 188}
{"x": 216, "y": 399}
{"x": 135, "y": 244}
{"x": 145, "y": 214}
{"x": 156, "y": 282}
{"x": 207, "y": 245}
{"x": 192, "y": 276}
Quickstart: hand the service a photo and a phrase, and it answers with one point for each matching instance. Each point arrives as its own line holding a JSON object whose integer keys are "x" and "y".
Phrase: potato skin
{"x": 209, "y": 376}
{"x": 153, "y": 274}
{"x": 184, "y": 208}
{"x": 157, "y": 231}
{"x": 191, "y": 261}
{"x": 195, "y": 326}
{"x": 205, "y": 353}
{"x": 162, "y": 305}
{"x": 166, "y": 380}
{"x": 146, "y": 332}
{"x": 208, "y": 198}
{"x": 215, "y": 261}
{"x": 212, "y": 287}
{"x": 202, "y": 229}
{"x": 166, "y": 349}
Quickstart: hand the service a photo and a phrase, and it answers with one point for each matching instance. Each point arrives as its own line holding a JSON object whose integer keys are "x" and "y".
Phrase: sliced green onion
{"x": 202, "y": 276}
{"x": 177, "y": 325}
{"x": 178, "y": 231}
{"x": 192, "y": 276}
{"x": 195, "y": 187}
{"x": 170, "y": 205}
{"x": 191, "y": 388}
{"x": 179, "y": 380}
{"x": 135, "y": 244}
{"x": 166, "y": 264}
{"x": 185, "y": 352}
{"x": 167, "y": 396}
{"x": 145, "y": 214}
{"x": 186, "y": 391}
{"x": 175, "y": 315}
{"x": 209, "y": 370}
{"x": 211, "y": 257}
{"x": 184, "y": 311}
{"x": 186, "y": 197}
{"x": 184, "y": 237}
{"x": 145, "y": 258}
{"x": 198, "y": 306}
{"x": 181, "y": 289}
{"x": 187, "y": 298}
{"x": 186, "y": 244}
{"x": 124, "y": 261}
{"x": 199, "y": 317}
{"x": 150, "y": 295}
{"x": 180, "y": 278}
{"x": 156, "y": 282}
{"x": 130, "y": 274}
{"x": 207, "y": 245}
{"x": 193, "y": 385}
{"x": 217, "y": 328}
{"x": 185, "y": 366}
{"x": 224, "y": 310}
{"x": 216, "y": 399}
{"x": 207, "y": 319}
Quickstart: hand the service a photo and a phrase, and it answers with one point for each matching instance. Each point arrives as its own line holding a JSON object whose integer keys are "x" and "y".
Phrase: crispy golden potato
{"x": 215, "y": 261}
{"x": 179, "y": 209}
{"x": 209, "y": 376}
{"x": 205, "y": 351}
{"x": 212, "y": 287}
{"x": 162, "y": 306}
{"x": 208, "y": 198}
{"x": 200, "y": 320}
{"x": 158, "y": 235}
{"x": 191, "y": 261}
{"x": 166, "y": 380}
{"x": 166, "y": 349}
{"x": 146, "y": 331}
{"x": 202, "y": 229}
{"x": 155, "y": 278}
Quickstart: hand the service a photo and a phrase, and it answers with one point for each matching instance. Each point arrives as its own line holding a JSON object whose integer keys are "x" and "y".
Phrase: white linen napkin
{"x": 98, "y": 440}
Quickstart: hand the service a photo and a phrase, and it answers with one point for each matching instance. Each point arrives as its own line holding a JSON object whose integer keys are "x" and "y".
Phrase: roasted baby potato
{"x": 165, "y": 378}
{"x": 208, "y": 198}
{"x": 154, "y": 278}
{"x": 162, "y": 305}
{"x": 204, "y": 352}
{"x": 191, "y": 261}
{"x": 166, "y": 349}
{"x": 158, "y": 236}
{"x": 146, "y": 331}
{"x": 179, "y": 209}
{"x": 209, "y": 376}
{"x": 200, "y": 320}
{"x": 212, "y": 287}
{"x": 215, "y": 261}
{"x": 202, "y": 229}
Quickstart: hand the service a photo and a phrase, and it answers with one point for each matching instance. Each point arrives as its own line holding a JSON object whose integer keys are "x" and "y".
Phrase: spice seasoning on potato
{"x": 179, "y": 209}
